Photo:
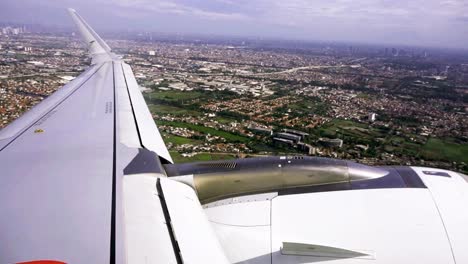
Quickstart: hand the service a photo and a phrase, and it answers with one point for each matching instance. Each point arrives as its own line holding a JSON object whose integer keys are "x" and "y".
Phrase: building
{"x": 178, "y": 86}
{"x": 303, "y": 135}
{"x": 372, "y": 117}
{"x": 289, "y": 136}
{"x": 362, "y": 147}
{"x": 36, "y": 63}
{"x": 331, "y": 143}
{"x": 306, "y": 148}
{"x": 283, "y": 142}
{"x": 152, "y": 53}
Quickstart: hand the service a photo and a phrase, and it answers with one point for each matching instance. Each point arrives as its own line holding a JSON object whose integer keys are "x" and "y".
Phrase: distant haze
{"x": 441, "y": 23}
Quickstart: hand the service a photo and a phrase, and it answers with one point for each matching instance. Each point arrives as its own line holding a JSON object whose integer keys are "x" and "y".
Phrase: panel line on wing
{"x": 167, "y": 217}
{"x": 114, "y": 178}
{"x": 150, "y": 136}
{"x": 444, "y": 225}
{"x": 133, "y": 109}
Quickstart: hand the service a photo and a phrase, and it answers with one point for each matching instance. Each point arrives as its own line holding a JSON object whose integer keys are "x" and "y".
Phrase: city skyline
{"x": 419, "y": 23}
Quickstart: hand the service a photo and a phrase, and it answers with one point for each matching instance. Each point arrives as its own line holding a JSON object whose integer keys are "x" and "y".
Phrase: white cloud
{"x": 167, "y": 7}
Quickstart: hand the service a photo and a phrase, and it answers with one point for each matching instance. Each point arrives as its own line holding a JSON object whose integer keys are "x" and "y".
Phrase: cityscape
{"x": 220, "y": 98}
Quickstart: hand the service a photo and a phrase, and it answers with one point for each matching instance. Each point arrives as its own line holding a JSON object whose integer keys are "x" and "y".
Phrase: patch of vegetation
{"x": 173, "y": 95}
{"x": 163, "y": 109}
{"x": 363, "y": 95}
{"x": 447, "y": 149}
{"x": 178, "y": 158}
{"x": 177, "y": 140}
{"x": 407, "y": 121}
{"x": 224, "y": 119}
{"x": 164, "y": 83}
{"x": 351, "y": 132}
{"x": 308, "y": 106}
{"x": 233, "y": 115}
{"x": 230, "y": 137}
{"x": 262, "y": 147}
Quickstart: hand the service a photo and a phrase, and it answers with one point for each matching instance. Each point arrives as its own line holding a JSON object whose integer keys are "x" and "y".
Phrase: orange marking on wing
{"x": 42, "y": 262}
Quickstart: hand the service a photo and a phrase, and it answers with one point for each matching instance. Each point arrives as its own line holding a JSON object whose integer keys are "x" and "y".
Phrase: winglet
{"x": 96, "y": 46}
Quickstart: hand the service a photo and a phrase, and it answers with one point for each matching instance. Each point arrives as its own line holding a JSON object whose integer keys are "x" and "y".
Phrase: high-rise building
{"x": 289, "y": 136}
{"x": 446, "y": 72}
{"x": 303, "y": 135}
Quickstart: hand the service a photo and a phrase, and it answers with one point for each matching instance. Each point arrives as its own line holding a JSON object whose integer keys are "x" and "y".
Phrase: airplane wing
{"x": 65, "y": 188}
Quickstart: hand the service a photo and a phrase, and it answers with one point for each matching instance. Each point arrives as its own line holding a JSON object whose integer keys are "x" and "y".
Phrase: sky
{"x": 439, "y": 23}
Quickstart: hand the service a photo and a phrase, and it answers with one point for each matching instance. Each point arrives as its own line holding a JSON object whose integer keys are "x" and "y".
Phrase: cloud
{"x": 425, "y": 22}
{"x": 149, "y": 7}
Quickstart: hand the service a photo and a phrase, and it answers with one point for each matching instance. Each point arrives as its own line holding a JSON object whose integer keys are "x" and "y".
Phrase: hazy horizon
{"x": 415, "y": 23}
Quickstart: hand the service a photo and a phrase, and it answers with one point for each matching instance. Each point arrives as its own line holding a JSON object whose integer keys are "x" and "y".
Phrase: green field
{"x": 172, "y": 95}
{"x": 350, "y": 131}
{"x": 176, "y": 140}
{"x": 308, "y": 106}
{"x": 437, "y": 149}
{"x": 339, "y": 124}
{"x": 224, "y": 120}
{"x": 161, "y": 109}
{"x": 230, "y": 137}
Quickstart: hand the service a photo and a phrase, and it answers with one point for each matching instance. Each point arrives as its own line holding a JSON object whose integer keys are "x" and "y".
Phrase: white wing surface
{"x": 63, "y": 166}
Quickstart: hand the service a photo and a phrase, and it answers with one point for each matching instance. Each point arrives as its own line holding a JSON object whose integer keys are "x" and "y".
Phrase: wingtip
{"x": 94, "y": 42}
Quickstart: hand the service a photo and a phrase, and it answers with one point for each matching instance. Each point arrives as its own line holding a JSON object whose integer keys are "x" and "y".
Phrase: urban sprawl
{"x": 242, "y": 98}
